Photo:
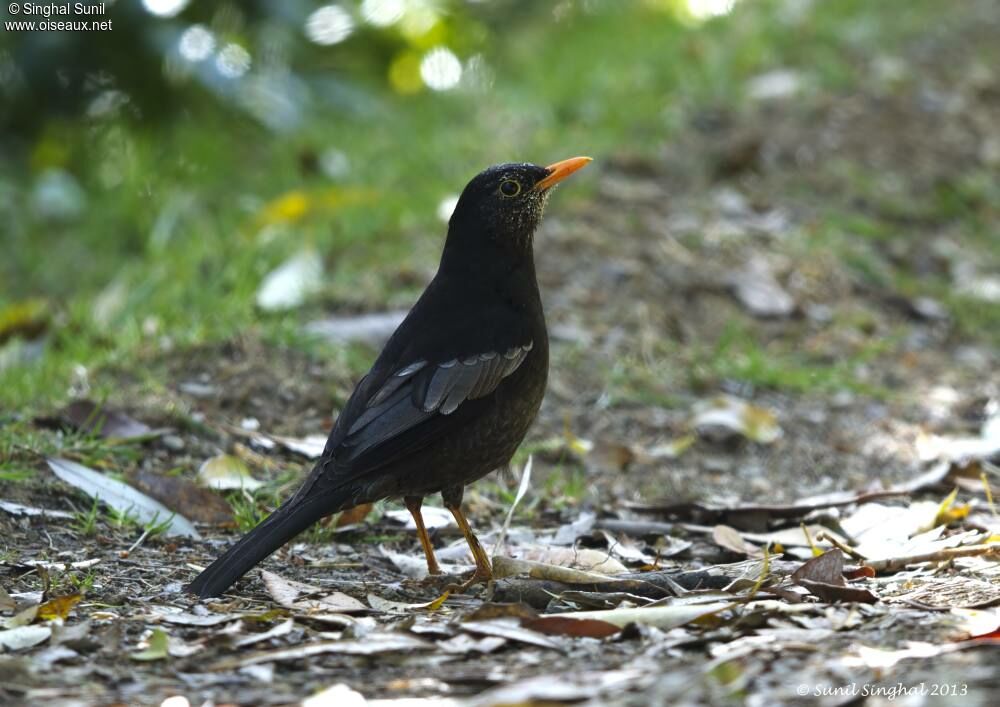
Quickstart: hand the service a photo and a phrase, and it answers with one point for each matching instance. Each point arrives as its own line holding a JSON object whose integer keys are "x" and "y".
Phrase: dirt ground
{"x": 719, "y": 238}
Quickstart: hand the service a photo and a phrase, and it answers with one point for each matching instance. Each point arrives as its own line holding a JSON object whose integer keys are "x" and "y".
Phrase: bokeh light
{"x": 197, "y": 43}
{"x": 330, "y": 24}
{"x": 440, "y": 69}
{"x": 382, "y": 13}
{"x": 165, "y": 8}
{"x": 704, "y": 9}
{"x": 233, "y": 61}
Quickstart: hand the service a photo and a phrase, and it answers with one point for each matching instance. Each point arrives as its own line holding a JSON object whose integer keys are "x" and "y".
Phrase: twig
{"x": 137, "y": 543}
{"x": 849, "y": 551}
{"x": 894, "y": 563}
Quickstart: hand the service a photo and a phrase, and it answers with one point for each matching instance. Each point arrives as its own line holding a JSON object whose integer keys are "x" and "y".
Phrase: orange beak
{"x": 560, "y": 170}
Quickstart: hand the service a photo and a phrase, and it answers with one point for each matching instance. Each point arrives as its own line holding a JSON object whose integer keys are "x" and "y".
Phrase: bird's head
{"x": 504, "y": 203}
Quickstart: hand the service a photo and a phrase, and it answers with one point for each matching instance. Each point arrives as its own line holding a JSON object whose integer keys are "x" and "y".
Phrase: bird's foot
{"x": 477, "y": 577}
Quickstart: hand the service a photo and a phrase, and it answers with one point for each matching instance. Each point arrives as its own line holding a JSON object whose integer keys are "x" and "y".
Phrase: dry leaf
{"x": 578, "y": 628}
{"x": 225, "y": 472}
{"x": 58, "y": 607}
{"x": 121, "y": 497}
{"x": 22, "y": 637}
{"x": 157, "y": 647}
{"x": 199, "y": 504}
{"x": 285, "y": 593}
{"x": 353, "y": 516}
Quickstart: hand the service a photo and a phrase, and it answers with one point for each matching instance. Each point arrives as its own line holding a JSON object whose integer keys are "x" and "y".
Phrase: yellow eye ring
{"x": 509, "y": 188}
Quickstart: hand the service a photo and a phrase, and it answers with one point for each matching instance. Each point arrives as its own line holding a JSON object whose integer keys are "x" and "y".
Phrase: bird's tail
{"x": 290, "y": 519}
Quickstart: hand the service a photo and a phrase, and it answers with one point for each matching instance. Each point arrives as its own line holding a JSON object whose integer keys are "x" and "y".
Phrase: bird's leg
{"x": 413, "y": 504}
{"x": 484, "y": 572}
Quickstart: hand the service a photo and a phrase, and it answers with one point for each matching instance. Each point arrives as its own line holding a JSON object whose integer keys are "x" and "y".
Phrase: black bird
{"x": 453, "y": 392}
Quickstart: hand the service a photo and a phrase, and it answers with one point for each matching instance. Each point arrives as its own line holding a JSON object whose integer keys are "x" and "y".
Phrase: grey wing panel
{"x": 422, "y": 390}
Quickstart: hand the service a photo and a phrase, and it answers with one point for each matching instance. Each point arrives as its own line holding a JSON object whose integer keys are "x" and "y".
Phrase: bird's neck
{"x": 491, "y": 268}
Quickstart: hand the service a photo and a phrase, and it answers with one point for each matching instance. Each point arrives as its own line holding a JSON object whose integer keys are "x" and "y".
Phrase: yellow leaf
{"x": 948, "y": 513}
{"x": 58, "y": 607}
{"x": 816, "y": 551}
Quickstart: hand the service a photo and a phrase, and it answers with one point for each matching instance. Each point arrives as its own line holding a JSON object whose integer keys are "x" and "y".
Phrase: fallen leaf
{"x": 282, "y": 629}
{"x": 581, "y": 558}
{"x": 823, "y": 576}
{"x": 463, "y": 644}
{"x": 310, "y": 446}
{"x": 662, "y": 617}
{"x": 353, "y": 516}
{"x": 725, "y": 416}
{"x": 183, "y": 618}
{"x": 225, "y": 472}
{"x": 17, "y": 509}
{"x": 510, "y": 629}
{"x": 730, "y": 538}
{"x": 828, "y": 567}
{"x": 434, "y": 517}
{"x": 286, "y": 592}
{"x": 948, "y": 512}
{"x": 22, "y": 637}
{"x": 58, "y": 607}
{"x": 577, "y": 628}
{"x": 157, "y": 646}
{"x": 122, "y": 497}
{"x": 199, "y": 504}
{"x": 415, "y": 567}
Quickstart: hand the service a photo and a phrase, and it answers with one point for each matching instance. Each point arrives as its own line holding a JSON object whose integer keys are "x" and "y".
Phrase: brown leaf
{"x": 354, "y": 515}
{"x": 859, "y": 572}
{"x": 823, "y": 576}
{"x": 196, "y": 502}
{"x": 578, "y": 628}
{"x": 828, "y": 568}
{"x": 730, "y": 538}
{"x": 499, "y": 611}
{"x": 838, "y": 592}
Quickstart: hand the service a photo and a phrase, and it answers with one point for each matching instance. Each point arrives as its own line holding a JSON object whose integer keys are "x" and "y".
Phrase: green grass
{"x": 740, "y": 356}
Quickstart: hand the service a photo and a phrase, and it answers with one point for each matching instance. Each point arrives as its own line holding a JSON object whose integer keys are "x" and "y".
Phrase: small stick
{"x": 849, "y": 551}
{"x": 950, "y": 553}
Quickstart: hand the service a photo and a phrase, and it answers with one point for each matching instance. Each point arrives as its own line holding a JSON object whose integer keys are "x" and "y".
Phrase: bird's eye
{"x": 509, "y": 188}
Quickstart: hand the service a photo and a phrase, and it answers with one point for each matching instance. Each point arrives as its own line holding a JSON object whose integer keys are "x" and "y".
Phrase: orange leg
{"x": 413, "y": 504}
{"x": 484, "y": 572}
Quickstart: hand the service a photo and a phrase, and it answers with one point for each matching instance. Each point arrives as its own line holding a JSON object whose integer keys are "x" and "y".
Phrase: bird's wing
{"x": 392, "y": 415}
{"x": 423, "y": 390}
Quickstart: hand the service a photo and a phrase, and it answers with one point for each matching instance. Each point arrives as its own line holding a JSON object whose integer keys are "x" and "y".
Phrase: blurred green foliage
{"x": 155, "y": 173}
